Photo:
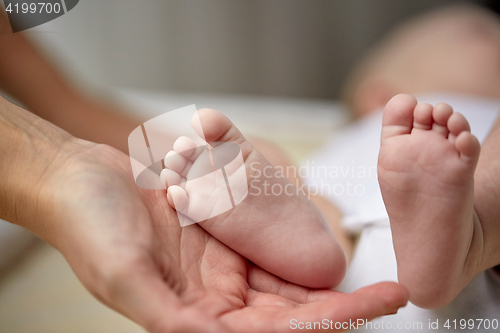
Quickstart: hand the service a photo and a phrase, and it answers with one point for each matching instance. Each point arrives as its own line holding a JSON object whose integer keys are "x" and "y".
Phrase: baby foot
{"x": 204, "y": 181}
{"x": 426, "y": 174}
{"x": 283, "y": 232}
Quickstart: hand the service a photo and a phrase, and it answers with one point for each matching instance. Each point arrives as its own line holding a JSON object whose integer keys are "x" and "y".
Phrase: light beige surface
{"x": 41, "y": 294}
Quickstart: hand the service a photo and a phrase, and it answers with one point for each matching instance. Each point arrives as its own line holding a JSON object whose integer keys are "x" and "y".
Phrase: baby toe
{"x": 170, "y": 177}
{"x": 468, "y": 146}
{"x": 440, "y": 115}
{"x": 456, "y": 125}
{"x": 185, "y": 146}
{"x": 175, "y": 161}
{"x": 422, "y": 116}
{"x": 177, "y": 198}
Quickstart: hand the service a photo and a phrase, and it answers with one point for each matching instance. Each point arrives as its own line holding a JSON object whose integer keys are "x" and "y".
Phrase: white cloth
{"x": 344, "y": 171}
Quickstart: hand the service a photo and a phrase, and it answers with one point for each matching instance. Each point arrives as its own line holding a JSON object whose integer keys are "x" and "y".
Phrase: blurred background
{"x": 265, "y": 47}
{"x": 275, "y": 67}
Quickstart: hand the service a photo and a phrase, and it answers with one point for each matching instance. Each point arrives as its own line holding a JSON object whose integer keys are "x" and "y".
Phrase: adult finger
{"x": 341, "y": 312}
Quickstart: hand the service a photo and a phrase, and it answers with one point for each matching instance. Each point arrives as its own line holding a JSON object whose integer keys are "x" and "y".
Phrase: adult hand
{"x": 126, "y": 246}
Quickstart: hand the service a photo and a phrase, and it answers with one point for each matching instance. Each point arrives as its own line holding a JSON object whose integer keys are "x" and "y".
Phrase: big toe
{"x": 213, "y": 126}
{"x": 398, "y": 116}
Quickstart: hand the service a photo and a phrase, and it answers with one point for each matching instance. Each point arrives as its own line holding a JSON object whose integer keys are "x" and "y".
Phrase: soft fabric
{"x": 350, "y": 159}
